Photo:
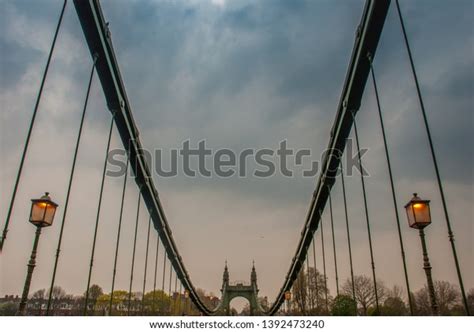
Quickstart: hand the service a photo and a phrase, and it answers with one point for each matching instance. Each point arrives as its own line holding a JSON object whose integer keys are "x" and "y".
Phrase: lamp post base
{"x": 29, "y": 274}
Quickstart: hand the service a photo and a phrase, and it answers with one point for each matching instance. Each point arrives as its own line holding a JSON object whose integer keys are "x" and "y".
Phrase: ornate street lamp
{"x": 419, "y": 216}
{"x": 41, "y": 215}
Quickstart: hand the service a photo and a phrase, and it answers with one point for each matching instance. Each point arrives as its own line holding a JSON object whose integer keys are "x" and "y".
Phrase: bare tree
{"x": 316, "y": 292}
{"x": 447, "y": 297}
{"x": 57, "y": 295}
{"x": 470, "y": 300}
{"x": 396, "y": 291}
{"x": 300, "y": 297}
{"x": 364, "y": 292}
{"x": 38, "y": 298}
{"x": 309, "y": 293}
{"x": 39, "y": 294}
{"x": 422, "y": 302}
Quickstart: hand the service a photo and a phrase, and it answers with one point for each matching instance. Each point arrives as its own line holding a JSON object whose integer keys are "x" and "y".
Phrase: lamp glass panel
{"x": 49, "y": 216}
{"x": 422, "y": 213}
{"x": 38, "y": 212}
{"x": 410, "y": 215}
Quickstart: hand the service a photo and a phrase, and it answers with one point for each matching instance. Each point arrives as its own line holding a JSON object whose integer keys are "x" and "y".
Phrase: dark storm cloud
{"x": 446, "y": 81}
{"x": 252, "y": 62}
{"x": 12, "y": 68}
{"x": 225, "y": 55}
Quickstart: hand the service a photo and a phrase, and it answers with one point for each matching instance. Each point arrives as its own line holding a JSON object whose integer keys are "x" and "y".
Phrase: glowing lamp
{"x": 42, "y": 211}
{"x": 418, "y": 212}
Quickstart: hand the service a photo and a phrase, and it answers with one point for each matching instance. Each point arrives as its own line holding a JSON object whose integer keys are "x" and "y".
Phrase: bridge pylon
{"x": 229, "y": 291}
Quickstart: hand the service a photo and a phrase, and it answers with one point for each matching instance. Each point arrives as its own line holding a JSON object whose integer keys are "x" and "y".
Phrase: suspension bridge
{"x": 360, "y": 71}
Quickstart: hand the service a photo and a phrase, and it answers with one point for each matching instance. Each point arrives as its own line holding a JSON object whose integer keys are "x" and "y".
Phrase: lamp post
{"x": 41, "y": 215}
{"x": 419, "y": 216}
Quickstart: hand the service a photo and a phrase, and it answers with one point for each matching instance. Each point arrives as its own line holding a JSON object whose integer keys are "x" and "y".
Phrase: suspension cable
{"x": 98, "y": 216}
{"x": 155, "y": 274}
{"x": 71, "y": 177}
{"x": 435, "y": 163}
{"x": 324, "y": 263}
{"x": 348, "y": 235}
{"x": 30, "y": 129}
{"x": 369, "y": 233}
{"x": 333, "y": 242}
{"x": 146, "y": 264}
{"x": 392, "y": 186}
{"x": 133, "y": 253}
{"x": 117, "y": 242}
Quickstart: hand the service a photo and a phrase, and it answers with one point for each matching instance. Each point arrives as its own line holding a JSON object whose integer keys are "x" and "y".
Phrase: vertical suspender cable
{"x": 348, "y": 235}
{"x": 179, "y": 303}
{"x": 392, "y": 186}
{"x": 310, "y": 300}
{"x": 155, "y": 274}
{"x": 324, "y": 264}
{"x": 316, "y": 288}
{"x": 30, "y": 129}
{"x": 163, "y": 282}
{"x": 133, "y": 252}
{"x": 333, "y": 242}
{"x": 175, "y": 294}
{"x": 146, "y": 264}
{"x": 366, "y": 215}
{"x": 435, "y": 163}
{"x": 169, "y": 289}
{"x": 71, "y": 177}
{"x": 94, "y": 241}
{"x": 117, "y": 242}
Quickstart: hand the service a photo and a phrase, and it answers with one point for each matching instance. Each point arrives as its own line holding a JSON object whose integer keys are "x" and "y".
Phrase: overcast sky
{"x": 239, "y": 74}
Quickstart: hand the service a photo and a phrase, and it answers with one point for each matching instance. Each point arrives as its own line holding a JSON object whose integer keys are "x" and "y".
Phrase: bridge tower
{"x": 239, "y": 289}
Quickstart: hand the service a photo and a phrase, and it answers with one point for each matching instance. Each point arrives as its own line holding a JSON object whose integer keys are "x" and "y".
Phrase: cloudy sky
{"x": 239, "y": 74}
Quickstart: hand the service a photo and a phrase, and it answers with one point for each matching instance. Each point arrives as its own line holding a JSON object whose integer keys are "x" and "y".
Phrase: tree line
{"x": 310, "y": 296}
{"x": 121, "y": 303}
